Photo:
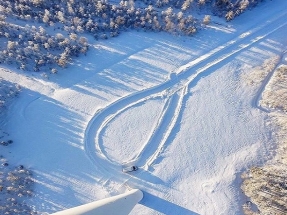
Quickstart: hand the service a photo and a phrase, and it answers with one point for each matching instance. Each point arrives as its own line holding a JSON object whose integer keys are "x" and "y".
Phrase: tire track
{"x": 108, "y": 120}
{"x": 170, "y": 126}
{"x": 185, "y": 77}
{"x": 160, "y": 132}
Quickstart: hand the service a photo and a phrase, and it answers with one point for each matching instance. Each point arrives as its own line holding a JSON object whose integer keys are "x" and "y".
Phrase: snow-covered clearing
{"x": 174, "y": 106}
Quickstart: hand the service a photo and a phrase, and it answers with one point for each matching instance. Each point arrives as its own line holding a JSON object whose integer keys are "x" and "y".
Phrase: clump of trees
{"x": 57, "y": 34}
{"x": 16, "y": 185}
{"x": 97, "y": 17}
{"x": 224, "y": 8}
{"x": 31, "y": 48}
{"x": 232, "y": 8}
{"x": 267, "y": 188}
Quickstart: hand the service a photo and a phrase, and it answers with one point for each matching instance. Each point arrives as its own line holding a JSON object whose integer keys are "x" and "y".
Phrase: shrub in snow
{"x": 16, "y": 185}
{"x": 275, "y": 96}
{"x": 206, "y": 19}
{"x": 256, "y": 75}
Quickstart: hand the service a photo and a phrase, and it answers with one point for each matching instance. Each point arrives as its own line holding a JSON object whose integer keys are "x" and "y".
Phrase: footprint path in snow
{"x": 175, "y": 92}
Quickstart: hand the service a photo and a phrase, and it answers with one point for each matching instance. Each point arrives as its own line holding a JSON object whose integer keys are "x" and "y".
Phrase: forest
{"x": 39, "y": 34}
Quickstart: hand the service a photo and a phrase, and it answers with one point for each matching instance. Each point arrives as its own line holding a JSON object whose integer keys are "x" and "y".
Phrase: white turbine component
{"x": 117, "y": 205}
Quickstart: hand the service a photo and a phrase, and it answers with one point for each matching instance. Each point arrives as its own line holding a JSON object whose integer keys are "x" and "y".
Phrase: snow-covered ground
{"x": 174, "y": 106}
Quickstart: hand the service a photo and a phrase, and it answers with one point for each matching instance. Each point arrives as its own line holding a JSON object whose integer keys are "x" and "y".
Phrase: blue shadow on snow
{"x": 164, "y": 206}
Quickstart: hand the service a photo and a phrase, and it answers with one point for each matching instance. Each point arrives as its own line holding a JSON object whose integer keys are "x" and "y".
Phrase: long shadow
{"x": 163, "y": 206}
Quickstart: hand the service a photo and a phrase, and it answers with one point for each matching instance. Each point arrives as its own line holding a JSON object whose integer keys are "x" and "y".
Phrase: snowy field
{"x": 177, "y": 107}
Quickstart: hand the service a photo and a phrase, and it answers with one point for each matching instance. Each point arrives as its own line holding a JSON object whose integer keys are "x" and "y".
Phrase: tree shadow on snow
{"x": 163, "y": 206}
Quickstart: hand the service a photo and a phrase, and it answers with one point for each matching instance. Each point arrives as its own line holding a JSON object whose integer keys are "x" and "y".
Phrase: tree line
{"x": 32, "y": 47}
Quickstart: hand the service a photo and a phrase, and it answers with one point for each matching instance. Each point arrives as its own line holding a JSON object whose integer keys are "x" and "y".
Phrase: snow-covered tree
{"x": 206, "y": 19}
{"x": 229, "y": 15}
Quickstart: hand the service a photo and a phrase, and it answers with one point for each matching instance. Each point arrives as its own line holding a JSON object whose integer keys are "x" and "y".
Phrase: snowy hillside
{"x": 185, "y": 110}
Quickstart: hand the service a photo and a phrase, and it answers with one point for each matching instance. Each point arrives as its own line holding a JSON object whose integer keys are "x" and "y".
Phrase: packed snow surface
{"x": 173, "y": 106}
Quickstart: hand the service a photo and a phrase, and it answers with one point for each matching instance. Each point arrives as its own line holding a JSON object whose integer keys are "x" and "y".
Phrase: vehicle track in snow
{"x": 175, "y": 91}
